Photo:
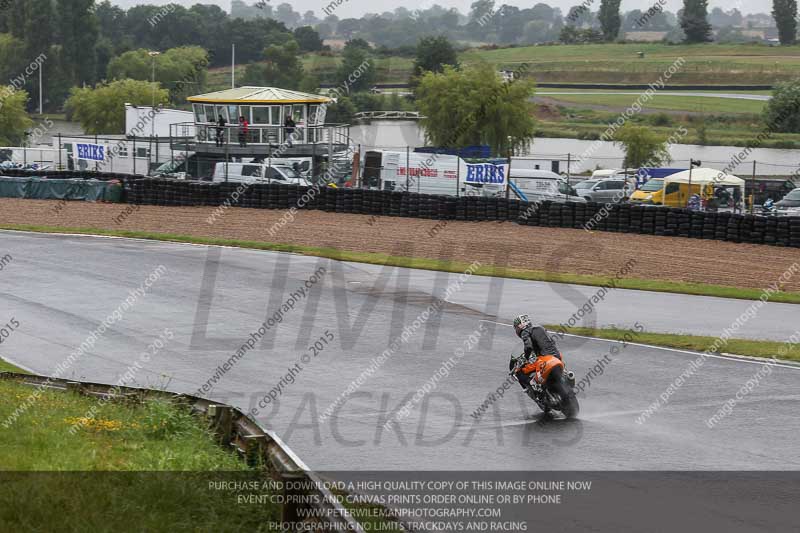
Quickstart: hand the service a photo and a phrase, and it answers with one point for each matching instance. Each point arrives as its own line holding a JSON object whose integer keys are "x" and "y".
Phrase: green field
{"x": 707, "y": 64}
{"x": 389, "y": 69}
{"x": 663, "y": 102}
{"x": 622, "y": 89}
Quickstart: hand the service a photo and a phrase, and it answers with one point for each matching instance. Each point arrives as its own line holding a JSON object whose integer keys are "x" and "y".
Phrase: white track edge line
{"x": 12, "y": 362}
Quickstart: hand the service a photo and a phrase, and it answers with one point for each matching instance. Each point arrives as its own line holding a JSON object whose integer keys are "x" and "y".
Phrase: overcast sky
{"x": 356, "y": 8}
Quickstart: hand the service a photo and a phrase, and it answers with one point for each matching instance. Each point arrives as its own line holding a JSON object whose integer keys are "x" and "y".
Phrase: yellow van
{"x": 677, "y": 194}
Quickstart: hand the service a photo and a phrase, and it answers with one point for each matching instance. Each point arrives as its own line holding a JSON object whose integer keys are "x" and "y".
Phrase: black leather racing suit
{"x": 538, "y": 342}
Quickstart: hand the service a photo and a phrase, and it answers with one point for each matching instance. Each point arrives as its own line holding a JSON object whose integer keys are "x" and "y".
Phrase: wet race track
{"x": 314, "y": 331}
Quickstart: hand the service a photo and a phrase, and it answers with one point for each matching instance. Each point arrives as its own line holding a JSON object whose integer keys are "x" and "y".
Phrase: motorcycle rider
{"x": 536, "y": 342}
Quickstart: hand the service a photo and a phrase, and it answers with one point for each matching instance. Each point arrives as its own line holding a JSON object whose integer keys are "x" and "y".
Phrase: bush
{"x": 474, "y": 106}
{"x": 643, "y": 147}
{"x": 102, "y": 109}
{"x": 661, "y": 119}
{"x": 340, "y": 112}
{"x": 788, "y": 145}
{"x": 782, "y": 113}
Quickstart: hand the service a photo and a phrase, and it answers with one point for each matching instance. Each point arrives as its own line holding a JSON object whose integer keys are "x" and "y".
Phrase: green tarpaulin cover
{"x": 47, "y": 189}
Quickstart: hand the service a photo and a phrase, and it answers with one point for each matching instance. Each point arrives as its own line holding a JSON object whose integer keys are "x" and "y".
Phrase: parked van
{"x": 258, "y": 173}
{"x": 540, "y": 185}
{"x": 607, "y": 173}
{"x": 656, "y": 192}
{"x": 675, "y": 190}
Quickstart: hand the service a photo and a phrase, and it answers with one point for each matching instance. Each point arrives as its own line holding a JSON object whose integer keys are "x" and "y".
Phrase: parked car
{"x": 258, "y": 173}
{"x": 540, "y": 185}
{"x": 763, "y": 189}
{"x": 171, "y": 169}
{"x": 609, "y": 190}
{"x": 790, "y": 204}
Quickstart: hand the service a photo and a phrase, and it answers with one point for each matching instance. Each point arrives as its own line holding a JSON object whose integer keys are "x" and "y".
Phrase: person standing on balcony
{"x": 221, "y": 130}
{"x": 244, "y": 129}
{"x": 288, "y": 128}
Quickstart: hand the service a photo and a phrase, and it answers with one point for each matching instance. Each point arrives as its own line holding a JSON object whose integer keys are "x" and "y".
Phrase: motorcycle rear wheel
{"x": 570, "y": 406}
{"x": 569, "y": 402}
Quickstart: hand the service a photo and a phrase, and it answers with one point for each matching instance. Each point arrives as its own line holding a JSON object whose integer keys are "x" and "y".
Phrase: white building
{"x": 144, "y": 147}
{"x": 138, "y": 122}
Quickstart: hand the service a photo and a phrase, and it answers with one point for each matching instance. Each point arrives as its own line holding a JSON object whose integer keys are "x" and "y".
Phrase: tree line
{"x": 83, "y": 39}
{"x": 93, "y": 52}
{"x": 85, "y": 43}
{"x": 488, "y": 21}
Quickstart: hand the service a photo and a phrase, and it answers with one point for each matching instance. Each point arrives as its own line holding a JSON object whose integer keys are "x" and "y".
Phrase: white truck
{"x": 432, "y": 174}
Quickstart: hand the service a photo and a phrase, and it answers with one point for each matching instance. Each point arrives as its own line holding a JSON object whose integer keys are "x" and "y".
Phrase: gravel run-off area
{"x": 556, "y": 250}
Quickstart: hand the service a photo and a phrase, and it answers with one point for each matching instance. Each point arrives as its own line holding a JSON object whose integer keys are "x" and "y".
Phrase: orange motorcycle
{"x": 552, "y": 387}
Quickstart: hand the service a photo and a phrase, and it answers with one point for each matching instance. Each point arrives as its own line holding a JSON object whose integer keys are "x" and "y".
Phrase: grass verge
{"x": 697, "y": 289}
{"x": 147, "y": 465}
{"x": 5, "y": 366}
{"x": 754, "y": 348}
{"x": 156, "y": 436}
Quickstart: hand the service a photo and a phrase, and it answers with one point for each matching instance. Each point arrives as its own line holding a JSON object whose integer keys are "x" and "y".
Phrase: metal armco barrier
{"x": 232, "y": 428}
{"x": 620, "y": 218}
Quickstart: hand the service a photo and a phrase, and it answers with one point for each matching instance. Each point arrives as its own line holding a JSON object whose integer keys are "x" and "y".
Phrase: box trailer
{"x": 440, "y": 174}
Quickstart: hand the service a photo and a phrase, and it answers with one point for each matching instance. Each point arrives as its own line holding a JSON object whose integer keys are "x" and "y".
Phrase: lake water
{"x": 65, "y": 128}
{"x": 396, "y": 135}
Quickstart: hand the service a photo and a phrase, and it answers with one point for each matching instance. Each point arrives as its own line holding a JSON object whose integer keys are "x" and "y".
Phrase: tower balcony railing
{"x": 191, "y": 136}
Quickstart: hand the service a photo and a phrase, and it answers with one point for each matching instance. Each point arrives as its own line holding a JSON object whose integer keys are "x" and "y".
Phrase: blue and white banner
{"x": 90, "y": 152}
{"x": 486, "y": 173}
